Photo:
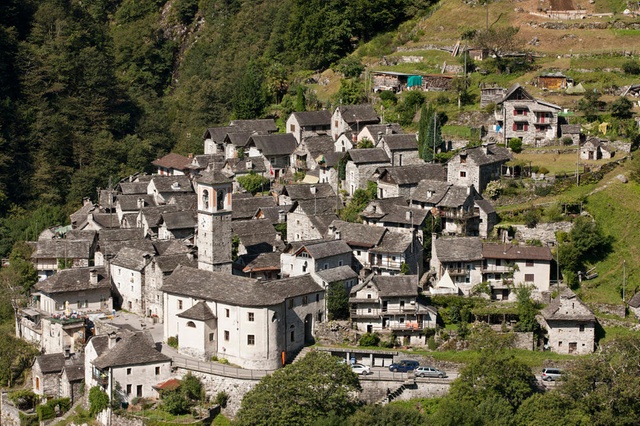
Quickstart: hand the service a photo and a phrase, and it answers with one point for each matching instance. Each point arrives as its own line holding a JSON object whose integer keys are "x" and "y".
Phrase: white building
{"x": 127, "y": 274}
{"x": 251, "y": 323}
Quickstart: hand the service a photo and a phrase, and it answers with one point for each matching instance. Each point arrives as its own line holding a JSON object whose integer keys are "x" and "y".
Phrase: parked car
{"x": 551, "y": 374}
{"x": 404, "y": 365}
{"x": 429, "y": 372}
{"x": 361, "y": 369}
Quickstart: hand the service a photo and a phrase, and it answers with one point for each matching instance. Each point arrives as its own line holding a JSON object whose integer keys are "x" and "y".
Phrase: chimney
{"x": 278, "y": 238}
{"x": 331, "y": 231}
{"x": 86, "y": 201}
{"x": 190, "y": 156}
{"x": 313, "y": 189}
{"x": 485, "y": 148}
{"x": 190, "y": 255}
{"x": 354, "y": 138}
{"x": 249, "y": 164}
{"x": 140, "y": 203}
{"x": 112, "y": 339}
{"x": 468, "y": 190}
{"x": 409, "y": 214}
{"x": 282, "y": 218}
{"x": 388, "y": 130}
{"x": 338, "y": 234}
{"x": 93, "y": 277}
{"x": 379, "y": 136}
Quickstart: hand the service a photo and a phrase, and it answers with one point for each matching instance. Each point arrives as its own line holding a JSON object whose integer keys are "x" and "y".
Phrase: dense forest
{"x": 94, "y": 90}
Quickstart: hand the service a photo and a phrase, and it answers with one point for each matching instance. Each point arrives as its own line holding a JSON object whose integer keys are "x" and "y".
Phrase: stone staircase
{"x": 297, "y": 356}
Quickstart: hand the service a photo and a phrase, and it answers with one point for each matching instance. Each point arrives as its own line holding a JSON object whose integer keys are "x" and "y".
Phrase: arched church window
{"x": 221, "y": 195}
{"x": 191, "y": 324}
{"x": 205, "y": 199}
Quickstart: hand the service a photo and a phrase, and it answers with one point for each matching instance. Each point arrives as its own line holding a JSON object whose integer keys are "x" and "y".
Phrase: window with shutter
{"x": 515, "y": 126}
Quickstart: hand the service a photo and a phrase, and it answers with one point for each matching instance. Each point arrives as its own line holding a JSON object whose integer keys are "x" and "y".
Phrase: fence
{"x": 219, "y": 369}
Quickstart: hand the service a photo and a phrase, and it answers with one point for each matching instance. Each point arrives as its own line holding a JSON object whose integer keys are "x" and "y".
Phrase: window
{"x": 293, "y": 336}
{"x": 358, "y": 253}
{"x": 205, "y": 199}
{"x": 179, "y": 304}
{"x": 191, "y": 324}
{"x": 581, "y": 328}
{"x": 498, "y": 262}
{"x": 226, "y": 313}
{"x": 339, "y": 262}
{"x": 463, "y": 159}
{"x": 220, "y": 199}
{"x": 520, "y": 126}
{"x": 305, "y": 300}
{"x": 128, "y": 371}
{"x": 529, "y": 262}
{"x": 251, "y": 316}
{"x": 463, "y": 173}
{"x": 290, "y": 303}
{"x": 139, "y": 390}
{"x": 251, "y": 340}
{"x": 319, "y": 316}
{"x": 368, "y": 295}
{"x": 528, "y": 278}
{"x": 326, "y": 266}
{"x": 226, "y": 336}
{"x": 317, "y": 297}
{"x": 520, "y": 111}
{"x": 157, "y": 371}
{"x": 368, "y": 310}
{"x": 128, "y": 389}
{"x": 211, "y": 337}
{"x": 292, "y": 128}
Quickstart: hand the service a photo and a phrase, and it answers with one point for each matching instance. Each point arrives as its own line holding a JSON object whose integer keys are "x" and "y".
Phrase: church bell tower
{"x": 214, "y": 222}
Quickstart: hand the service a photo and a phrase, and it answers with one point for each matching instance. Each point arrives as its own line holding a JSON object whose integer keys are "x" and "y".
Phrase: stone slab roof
{"x": 275, "y": 144}
{"x": 132, "y": 202}
{"x": 74, "y": 279}
{"x": 51, "y": 363}
{"x": 269, "y": 261}
{"x": 246, "y": 207}
{"x": 239, "y": 139}
{"x": 385, "y": 129}
{"x": 402, "y": 142}
{"x": 412, "y": 175}
{"x": 635, "y": 300}
{"x": 172, "y": 161}
{"x": 199, "y": 312}
{"x": 513, "y": 252}
{"x": 62, "y": 248}
{"x": 303, "y": 191}
{"x": 106, "y": 220}
{"x": 368, "y": 156}
{"x": 266, "y": 125}
{"x": 239, "y": 165}
{"x": 74, "y": 371}
{"x": 567, "y": 307}
{"x": 393, "y": 242}
{"x": 272, "y": 214}
{"x": 214, "y": 176}
{"x": 217, "y": 134}
{"x": 357, "y": 234}
{"x": 170, "y": 262}
{"x": 85, "y": 234}
{"x": 130, "y": 188}
{"x": 430, "y": 191}
{"x": 485, "y": 206}
{"x": 235, "y": 290}
{"x": 318, "y": 145}
{"x": 455, "y": 197}
{"x": 458, "y": 249}
{"x": 489, "y": 154}
{"x": 570, "y": 129}
{"x": 180, "y": 220}
{"x": 362, "y": 114}
{"x": 313, "y": 118}
{"x": 111, "y": 248}
{"x": 322, "y": 221}
{"x": 341, "y": 273}
{"x": 398, "y": 285}
{"x": 131, "y": 258}
{"x": 173, "y": 184}
{"x": 324, "y": 249}
{"x": 135, "y": 349}
{"x": 153, "y": 215}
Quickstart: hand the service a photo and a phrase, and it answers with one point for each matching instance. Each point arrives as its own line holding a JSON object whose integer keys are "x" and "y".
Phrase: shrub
{"x": 173, "y": 342}
{"x": 45, "y": 412}
{"x": 221, "y": 399}
{"x": 515, "y": 144}
{"x": 631, "y": 67}
{"x": 223, "y": 361}
{"x": 543, "y": 170}
{"x": 431, "y": 343}
{"x": 542, "y": 191}
{"x": 174, "y": 402}
{"x": 531, "y": 218}
{"x": 28, "y": 419}
{"x": 388, "y": 96}
{"x": 567, "y": 141}
{"x": 98, "y": 400}
{"x": 23, "y": 399}
{"x": 369, "y": 339}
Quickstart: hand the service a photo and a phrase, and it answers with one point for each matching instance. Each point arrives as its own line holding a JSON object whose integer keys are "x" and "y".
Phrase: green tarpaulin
{"x": 414, "y": 80}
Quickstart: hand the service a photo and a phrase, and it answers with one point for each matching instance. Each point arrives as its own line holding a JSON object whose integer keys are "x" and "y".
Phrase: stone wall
{"x": 235, "y": 388}
{"x": 545, "y": 232}
{"x": 9, "y": 414}
{"x": 375, "y": 390}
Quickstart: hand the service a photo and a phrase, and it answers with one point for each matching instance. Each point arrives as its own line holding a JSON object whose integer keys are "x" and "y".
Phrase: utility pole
{"x": 433, "y": 160}
{"x": 624, "y": 279}
{"x": 578, "y": 165}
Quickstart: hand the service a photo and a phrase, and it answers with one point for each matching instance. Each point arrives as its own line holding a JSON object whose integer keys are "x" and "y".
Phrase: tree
{"x": 527, "y": 310}
{"x": 590, "y": 105}
{"x": 349, "y": 67}
{"x": 621, "y": 108}
{"x": 361, "y": 197}
{"x": 633, "y": 165}
{"x": 499, "y": 41}
{"x": 516, "y": 145}
{"x": 337, "y": 301}
{"x": 253, "y": 183}
{"x": 424, "y": 150}
{"x": 301, "y": 392}
{"x": 249, "y": 98}
{"x": 494, "y": 375}
{"x": 351, "y": 92}
{"x": 383, "y": 415}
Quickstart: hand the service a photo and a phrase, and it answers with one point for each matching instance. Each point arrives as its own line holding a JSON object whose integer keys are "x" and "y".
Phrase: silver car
{"x": 429, "y": 372}
{"x": 360, "y": 369}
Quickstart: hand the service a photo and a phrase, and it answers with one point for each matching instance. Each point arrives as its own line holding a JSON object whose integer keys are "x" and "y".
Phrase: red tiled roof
{"x": 172, "y": 161}
{"x": 169, "y": 385}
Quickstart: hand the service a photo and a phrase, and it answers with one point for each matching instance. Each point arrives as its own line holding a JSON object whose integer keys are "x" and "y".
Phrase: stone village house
{"x": 570, "y": 325}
